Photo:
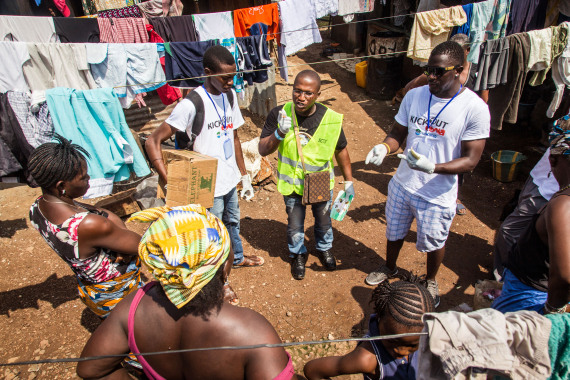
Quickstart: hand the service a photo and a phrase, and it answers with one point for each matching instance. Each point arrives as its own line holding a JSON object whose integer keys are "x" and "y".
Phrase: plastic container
{"x": 361, "y": 73}
{"x": 505, "y": 164}
{"x": 340, "y": 206}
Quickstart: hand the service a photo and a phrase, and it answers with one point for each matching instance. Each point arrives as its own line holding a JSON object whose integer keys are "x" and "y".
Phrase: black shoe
{"x": 327, "y": 259}
{"x": 298, "y": 266}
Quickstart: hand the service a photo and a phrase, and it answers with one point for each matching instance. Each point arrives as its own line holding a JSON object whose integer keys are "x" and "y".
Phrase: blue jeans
{"x": 296, "y": 224}
{"x": 226, "y": 208}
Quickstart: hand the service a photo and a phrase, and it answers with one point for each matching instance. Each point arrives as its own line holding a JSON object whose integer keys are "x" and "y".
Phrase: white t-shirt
{"x": 547, "y": 186}
{"x": 213, "y": 140}
{"x": 465, "y": 118}
{"x": 14, "y": 55}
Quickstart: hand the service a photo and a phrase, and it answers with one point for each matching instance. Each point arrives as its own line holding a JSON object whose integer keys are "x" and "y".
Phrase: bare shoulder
{"x": 559, "y": 208}
{"x": 248, "y": 325}
{"x": 364, "y": 358}
{"x": 95, "y": 224}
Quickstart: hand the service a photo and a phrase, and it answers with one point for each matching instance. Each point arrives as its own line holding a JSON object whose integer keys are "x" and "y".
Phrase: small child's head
{"x": 399, "y": 307}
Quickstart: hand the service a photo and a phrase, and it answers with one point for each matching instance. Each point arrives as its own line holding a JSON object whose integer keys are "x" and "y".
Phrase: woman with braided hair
{"x": 398, "y": 307}
{"x": 94, "y": 242}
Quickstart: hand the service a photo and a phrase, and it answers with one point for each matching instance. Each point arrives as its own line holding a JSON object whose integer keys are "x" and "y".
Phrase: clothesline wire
{"x": 278, "y": 67}
{"x": 247, "y": 347}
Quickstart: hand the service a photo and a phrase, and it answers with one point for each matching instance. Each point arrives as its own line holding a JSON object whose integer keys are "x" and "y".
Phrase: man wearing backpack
{"x": 209, "y": 117}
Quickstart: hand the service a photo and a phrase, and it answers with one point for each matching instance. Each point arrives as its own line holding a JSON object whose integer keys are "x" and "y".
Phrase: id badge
{"x": 228, "y": 149}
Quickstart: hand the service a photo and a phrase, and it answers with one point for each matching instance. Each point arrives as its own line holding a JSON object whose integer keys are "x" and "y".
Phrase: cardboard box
{"x": 191, "y": 178}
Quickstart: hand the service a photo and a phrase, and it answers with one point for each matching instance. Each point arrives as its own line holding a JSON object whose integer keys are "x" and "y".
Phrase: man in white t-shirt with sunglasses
{"x": 445, "y": 126}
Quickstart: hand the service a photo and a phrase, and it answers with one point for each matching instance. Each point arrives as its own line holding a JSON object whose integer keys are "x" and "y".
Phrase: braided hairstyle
{"x": 56, "y": 161}
{"x": 404, "y": 300}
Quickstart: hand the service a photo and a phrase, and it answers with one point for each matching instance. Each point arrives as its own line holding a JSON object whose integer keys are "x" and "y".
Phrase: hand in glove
{"x": 246, "y": 188}
{"x": 349, "y": 189}
{"x": 284, "y": 122}
{"x": 377, "y": 154}
{"x": 418, "y": 161}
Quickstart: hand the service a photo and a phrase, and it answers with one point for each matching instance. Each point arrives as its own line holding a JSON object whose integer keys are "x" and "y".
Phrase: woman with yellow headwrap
{"x": 185, "y": 249}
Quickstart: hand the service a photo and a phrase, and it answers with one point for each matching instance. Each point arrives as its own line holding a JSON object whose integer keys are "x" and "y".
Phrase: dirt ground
{"x": 41, "y": 315}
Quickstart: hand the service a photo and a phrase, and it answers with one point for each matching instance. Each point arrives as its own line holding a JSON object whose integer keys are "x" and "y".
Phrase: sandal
{"x": 461, "y": 210}
{"x": 230, "y": 296}
{"x": 250, "y": 261}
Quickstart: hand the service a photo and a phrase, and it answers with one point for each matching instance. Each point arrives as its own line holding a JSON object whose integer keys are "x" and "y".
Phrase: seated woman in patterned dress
{"x": 94, "y": 242}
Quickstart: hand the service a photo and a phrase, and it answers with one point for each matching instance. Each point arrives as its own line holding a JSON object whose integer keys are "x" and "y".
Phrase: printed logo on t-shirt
{"x": 256, "y": 10}
{"x": 436, "y": 126}
{"x": 219, "y": 124}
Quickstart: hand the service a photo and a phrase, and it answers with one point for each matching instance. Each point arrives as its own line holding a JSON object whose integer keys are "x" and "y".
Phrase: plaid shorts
{"x": 433, "y": 220}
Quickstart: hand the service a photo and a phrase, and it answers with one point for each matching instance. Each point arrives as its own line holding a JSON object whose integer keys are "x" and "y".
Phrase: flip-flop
{"x": 230, "y": 296}
{"x": 461, "y": 210}
{"x": 250, "y": 261}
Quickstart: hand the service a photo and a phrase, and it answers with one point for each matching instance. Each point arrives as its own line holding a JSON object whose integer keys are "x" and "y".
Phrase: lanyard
{"x": 224, "y": 121}
{"x": 441, "y": 110}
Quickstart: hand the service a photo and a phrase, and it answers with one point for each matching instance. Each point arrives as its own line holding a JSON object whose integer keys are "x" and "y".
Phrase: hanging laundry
{"x": 253, "y": 54}
{"x": 184, "y": 60}
{"x": 349, "y": 7}
{"x": 212, "y": 26}
{"x": 428, "y": 5}
{"x": 94, "y": 120}
{"x": 132, "y": 11}
{"x": 175, "y": 29}
{"x": 432, "y": 28}
{"x": 62, "y": 7}
{"x": 58, "y": 65}
{"x": 514, "y": 345}
{"x": 492, "y": 69}
{"x": 504, "y": 100}
{"x": 551, "y": 16}
{"x": 401, "y": 9}
{"x": 563, "y": 11}
{"x": 166, "y": 93}
{"x": 559, "y": 346}
{"x": 77, "y": 29}
{"x": 136, "y": 66}
{"x": 561, "y": 78}
{"x": 122, "y": 30}
{"x": 282, "y": 61}
{"x": 161, "y": 8}
{"x": 14, "y": 148}
{"x": 14, "y": 55}
{"x": 527, "y": 15}
{"x": 464, "y": 29}
{"x": 103, "y": 5}
{"x": 27, "y": 29}
{"x": 545, "y": 46}
{"x": 89, "y": 7}
{"x": 34, "y": 119}
{"x": 298, "y": 25}
{"x": 488, "y": 22}
{"x": 265, "y": 14}
{"x": 325, "y": 7}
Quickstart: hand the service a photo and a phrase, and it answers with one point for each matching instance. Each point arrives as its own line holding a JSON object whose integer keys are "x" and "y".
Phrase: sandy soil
{"x": 41, "y": 315}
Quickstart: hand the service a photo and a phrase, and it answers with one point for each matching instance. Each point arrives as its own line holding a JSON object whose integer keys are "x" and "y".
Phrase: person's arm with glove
{"x": 246, "y": 188}
{"x": 471, "y": 151}
{"x": 269, "y": 144}
{"x": 343, "y": 160}
{"x": 391, "y": 143}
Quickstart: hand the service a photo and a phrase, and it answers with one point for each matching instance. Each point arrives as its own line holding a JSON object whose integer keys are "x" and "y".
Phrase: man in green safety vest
{"x": 322, "y": 137}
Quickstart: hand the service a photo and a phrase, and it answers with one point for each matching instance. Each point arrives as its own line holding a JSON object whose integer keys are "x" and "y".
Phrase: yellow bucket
{"x": 361, "y": 73}
{"x": 505, "y": 164}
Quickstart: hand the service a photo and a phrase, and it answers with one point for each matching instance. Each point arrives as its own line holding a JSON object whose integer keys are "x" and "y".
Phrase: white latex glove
{"x": 377, "y": 155}
{"x": 246, "y": 188}
{"x": 418, "y": 161}
{"x": 349, "y": 189}
{"x": 284, "y": 122}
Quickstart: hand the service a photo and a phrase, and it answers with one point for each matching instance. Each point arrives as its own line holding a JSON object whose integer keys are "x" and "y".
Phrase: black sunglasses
{"x": 438, "y": 71}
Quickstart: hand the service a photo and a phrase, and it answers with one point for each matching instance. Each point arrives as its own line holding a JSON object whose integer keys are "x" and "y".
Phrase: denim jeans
{"x": 226, "y": 208}
{"x": 296, "y": 224}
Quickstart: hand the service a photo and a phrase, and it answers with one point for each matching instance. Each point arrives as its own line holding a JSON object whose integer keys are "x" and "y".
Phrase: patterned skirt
{"x": 102, "y": 297}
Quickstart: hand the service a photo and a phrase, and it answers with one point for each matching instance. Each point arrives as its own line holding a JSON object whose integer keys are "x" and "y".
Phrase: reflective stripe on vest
{"x": 318, "y": 153}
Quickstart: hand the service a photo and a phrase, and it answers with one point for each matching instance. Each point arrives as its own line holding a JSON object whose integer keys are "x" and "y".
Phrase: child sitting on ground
{"x": 398, "y": 307}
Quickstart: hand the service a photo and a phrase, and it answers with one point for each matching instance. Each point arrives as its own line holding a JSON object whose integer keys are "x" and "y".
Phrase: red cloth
{"x": 167, "y": 93}
{"x": 267, "y": 14}
{"x": 62, "y": 6}
{"x": 122, "y": 30}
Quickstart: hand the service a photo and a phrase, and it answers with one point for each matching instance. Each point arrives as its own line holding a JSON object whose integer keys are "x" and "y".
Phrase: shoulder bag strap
{"x": 296, "y": 129}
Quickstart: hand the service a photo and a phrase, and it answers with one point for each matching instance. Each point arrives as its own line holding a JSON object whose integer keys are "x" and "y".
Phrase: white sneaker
{"x": 381, "y": 275}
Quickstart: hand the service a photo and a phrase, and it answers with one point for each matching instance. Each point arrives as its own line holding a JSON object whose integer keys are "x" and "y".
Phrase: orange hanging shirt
{"x": 266, "y": 14}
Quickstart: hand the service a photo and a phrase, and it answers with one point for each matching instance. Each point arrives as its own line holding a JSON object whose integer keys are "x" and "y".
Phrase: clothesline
{"x": 255, "y": 346}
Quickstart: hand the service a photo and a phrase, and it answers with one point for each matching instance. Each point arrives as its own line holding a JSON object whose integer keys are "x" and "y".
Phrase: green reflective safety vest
{"x": 318, "y": 153}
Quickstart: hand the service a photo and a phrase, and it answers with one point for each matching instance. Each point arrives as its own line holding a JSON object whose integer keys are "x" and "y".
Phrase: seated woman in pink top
{"x": 185, "y": 249}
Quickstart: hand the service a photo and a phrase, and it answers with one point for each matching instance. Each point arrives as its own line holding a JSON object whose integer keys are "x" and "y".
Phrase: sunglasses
{"x": 438, "y": 71}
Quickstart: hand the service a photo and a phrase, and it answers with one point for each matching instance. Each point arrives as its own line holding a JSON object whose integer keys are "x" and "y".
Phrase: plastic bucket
{"x": 505, "y": 164}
